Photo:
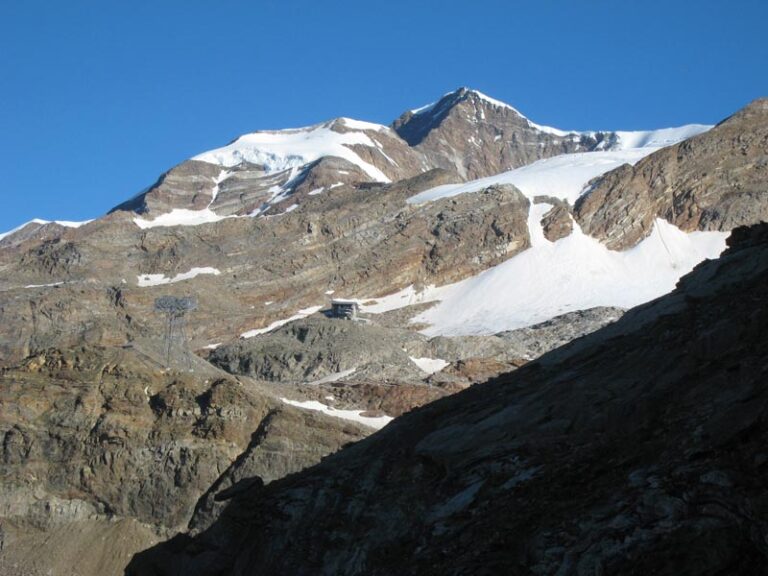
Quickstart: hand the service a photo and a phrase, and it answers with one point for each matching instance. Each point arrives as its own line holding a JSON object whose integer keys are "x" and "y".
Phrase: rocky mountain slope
{"x": 636, "y": 450}
{"x": 94, "y": 437}
{"x": 466, "y": 133}
{"x": 268, "y": 226}
{"x": 457, "y": 280}
{"x": 475, "y": 135}
{"x": 713, "y": 181}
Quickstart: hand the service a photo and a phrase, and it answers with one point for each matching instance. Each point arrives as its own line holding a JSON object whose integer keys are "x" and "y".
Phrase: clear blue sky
{"x": 98, "y": 98}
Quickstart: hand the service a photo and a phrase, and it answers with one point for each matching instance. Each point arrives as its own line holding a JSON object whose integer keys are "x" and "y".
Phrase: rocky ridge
{"x": 476, "y": 136}
{"x": 466, "y": 133}
{"x": 713, "y": 181}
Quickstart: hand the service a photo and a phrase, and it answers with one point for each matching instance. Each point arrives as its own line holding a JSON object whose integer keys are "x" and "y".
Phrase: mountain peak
{"x": 450, "y": 99}
{"x": 476, "y": 94}
{"x": 280, "y": 150}
{"x": 415, "y": 125}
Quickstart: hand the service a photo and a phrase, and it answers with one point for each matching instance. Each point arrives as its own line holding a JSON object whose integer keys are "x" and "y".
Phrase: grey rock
{"x": 319, "y": 347}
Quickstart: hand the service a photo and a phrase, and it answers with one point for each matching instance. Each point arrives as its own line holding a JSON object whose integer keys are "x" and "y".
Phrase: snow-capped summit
{"x": 615, "y": 140}
{"x": 466, "y": 132}
{"x": 34, "y": 225}
{"x": 280, "y": 150}
{"x": 450, "y": 99}
{"x": 478, "y": 135}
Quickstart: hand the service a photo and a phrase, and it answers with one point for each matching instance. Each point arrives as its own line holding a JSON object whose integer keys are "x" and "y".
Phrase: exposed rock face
{"x": 39, "y": 231}
{"x": 497, "y": 231}
{"x": 245, "y": 187}
{"x": 363, "y": 243}
{"x": 526, "y": 343}
{"x": 476, "y": 136}
{"x": 91, "y": 436}
{"x": 534, "y": 341}
{"x": 376, "y": 397}
{"x": 95, "y": 433}
{"x": 189, "y": 185}
{"x": 557, "y": 223}
{"x": 318, "y": 348}
{"x": 390, "y": 153}
{"x": 713, "y": 181}
{"x": 638, "y": 449}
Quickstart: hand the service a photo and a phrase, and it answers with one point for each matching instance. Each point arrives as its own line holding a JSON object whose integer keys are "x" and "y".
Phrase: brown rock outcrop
{"x": 713, "y": 181}
{"x": 91, "y": 436}
{"x": 475, "y": 136}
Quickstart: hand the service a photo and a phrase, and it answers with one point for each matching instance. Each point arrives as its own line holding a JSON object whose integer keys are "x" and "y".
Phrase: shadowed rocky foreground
{"x": 639, "y": 449}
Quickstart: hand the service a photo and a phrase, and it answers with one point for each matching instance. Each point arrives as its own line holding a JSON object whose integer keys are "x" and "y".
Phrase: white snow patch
{"x": 494, "y": 102}
{"x": 44, "y": 285}
{"x": 552, "y": 278}
{"x": 658, "y": 138}
{"x": 277, "y": 323}
{"x": 362, "y": 125}
{"x": 70, "y": 224}
{"x": 550, "y": 129}
{"x": 316, "y": 191}
{"x": 334, "y": 377}
{"x": 181, "y": 217}
{"x": 425, "y": 108}
{"x": 429, "y": 365}
{"x": 223, "y": 175}
{"x": 145, "y": 280}
{"x": 574, "y": 273}
{"x": 377, "y": 422}
{"x": 561, "y": 176}
{"x": 627, "y": 139}
{"x": 212, "y": 346}
{"x": 405, "y": 297}
{"x": 287, "y": 149}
